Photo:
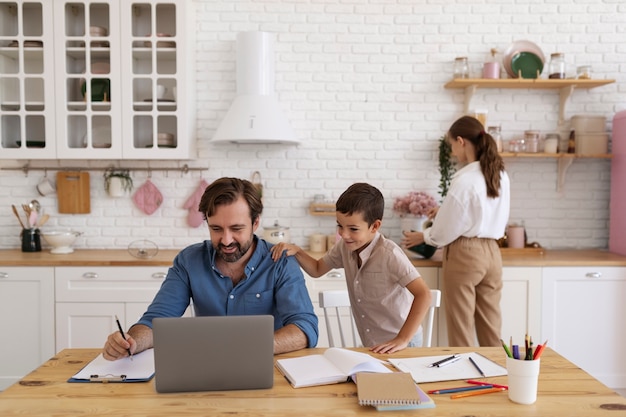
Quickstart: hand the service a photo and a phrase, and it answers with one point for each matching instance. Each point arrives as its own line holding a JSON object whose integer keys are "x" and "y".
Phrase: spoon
{"x": 17, "y": 215}
{"x": 34, "y": 205}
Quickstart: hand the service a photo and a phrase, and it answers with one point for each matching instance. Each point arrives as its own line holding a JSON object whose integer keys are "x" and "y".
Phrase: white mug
{"x": 161, "y": 90}
{"x": 46, "y": 187}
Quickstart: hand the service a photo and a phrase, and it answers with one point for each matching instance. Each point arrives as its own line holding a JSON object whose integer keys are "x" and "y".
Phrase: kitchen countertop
{"x": 119, "y": 257}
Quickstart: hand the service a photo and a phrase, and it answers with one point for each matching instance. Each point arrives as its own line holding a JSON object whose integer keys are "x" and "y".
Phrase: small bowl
{"x": 97, "y": 31}
{"x": 61, "y": 240}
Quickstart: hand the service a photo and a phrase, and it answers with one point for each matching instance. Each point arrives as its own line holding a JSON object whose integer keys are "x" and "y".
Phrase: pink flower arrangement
{"x": 416, "y": 203}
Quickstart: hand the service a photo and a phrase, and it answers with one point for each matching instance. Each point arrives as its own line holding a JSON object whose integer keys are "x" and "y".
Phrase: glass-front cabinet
{"x": 115, "y": 83}
{"x": 26, "y": 80}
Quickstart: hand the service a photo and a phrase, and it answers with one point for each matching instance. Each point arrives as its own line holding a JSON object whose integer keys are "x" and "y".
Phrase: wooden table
{"x": 564, "y": 390}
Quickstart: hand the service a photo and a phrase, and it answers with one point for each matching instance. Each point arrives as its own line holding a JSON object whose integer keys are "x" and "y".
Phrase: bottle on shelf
{"x": 571, "y": 143}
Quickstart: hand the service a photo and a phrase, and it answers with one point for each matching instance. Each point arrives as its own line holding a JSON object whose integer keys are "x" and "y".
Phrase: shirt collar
{"x": 472, "y": 166}
{"x": 367, "y": 252}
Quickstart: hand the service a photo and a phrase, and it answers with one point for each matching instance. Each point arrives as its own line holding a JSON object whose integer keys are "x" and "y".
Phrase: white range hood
{"x": 255, "y": 115}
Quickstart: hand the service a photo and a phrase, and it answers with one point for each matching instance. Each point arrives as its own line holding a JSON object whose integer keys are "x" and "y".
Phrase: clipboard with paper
{"x": 462, "y": 369}
{"x": 139, "y": 368}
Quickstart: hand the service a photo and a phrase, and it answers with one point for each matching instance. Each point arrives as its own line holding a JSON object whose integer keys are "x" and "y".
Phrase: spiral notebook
{"x": 393, "y": 391}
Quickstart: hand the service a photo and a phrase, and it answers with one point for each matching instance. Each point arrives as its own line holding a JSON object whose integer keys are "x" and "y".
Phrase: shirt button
{"x": 358, "y": 301}
{"x": 362, "y": 316}
{"x": 356, "y": 282}
{"x": 258, "y": 296}
{"x": 252, "y": 268}
{"x": 367, "y": 330}
{"x": 232, "y": 297}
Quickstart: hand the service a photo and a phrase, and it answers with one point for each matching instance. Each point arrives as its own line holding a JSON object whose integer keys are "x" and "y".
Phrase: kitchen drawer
{"x": 108, "y": 284}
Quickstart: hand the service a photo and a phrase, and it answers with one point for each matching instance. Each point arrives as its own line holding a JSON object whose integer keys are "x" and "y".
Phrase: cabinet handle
{"x": 334, "y": 274}
{"x": 4, "y": 274}
{"x": 595, "y": 275}
{"x": 90, "y": 275}
{"x": 159, "y": 275}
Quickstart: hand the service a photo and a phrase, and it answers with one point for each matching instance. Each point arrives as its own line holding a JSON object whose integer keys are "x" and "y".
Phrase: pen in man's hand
{"x": 119, "y": 326}
{"x": 445, "y": 361}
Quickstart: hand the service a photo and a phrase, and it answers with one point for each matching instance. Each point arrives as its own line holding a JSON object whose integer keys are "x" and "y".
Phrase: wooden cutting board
{"x": 73, "y": 192}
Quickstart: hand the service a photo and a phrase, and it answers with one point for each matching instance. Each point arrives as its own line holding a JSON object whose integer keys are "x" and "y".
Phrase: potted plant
{"x": 446, "y": 166}
{"x": 117, "y": 182}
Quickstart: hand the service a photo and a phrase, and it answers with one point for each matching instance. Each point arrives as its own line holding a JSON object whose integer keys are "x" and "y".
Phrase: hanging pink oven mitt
{"x": 194, "y": 217}
{"x": 148, "y": 198}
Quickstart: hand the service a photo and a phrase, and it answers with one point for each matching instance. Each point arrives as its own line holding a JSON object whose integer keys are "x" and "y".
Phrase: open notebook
{"x": 462, "y": 369}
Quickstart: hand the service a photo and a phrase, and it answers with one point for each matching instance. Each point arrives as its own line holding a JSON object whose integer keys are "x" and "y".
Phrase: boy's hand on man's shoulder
{"x": 279, "y": 249}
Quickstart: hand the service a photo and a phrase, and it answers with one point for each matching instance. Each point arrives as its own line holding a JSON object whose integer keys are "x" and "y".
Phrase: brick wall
{"x": 362, "y": 83}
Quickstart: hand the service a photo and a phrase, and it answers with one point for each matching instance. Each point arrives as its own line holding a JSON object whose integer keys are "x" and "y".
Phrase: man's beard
{"x": 235, "y": 256}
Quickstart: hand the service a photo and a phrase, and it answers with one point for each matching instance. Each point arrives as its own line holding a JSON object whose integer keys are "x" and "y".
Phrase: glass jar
{"x": 531, "y": 138}
{"x": 551, "y": 143}
{"x": 461, "y": 67}
{"x": 584, "y": 72}
{"x": 557, "y": 66}
{"x": 494, "y": 131}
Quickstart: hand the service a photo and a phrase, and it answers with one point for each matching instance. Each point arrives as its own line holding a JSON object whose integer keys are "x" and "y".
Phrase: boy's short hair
{"x": 362, "y": 198}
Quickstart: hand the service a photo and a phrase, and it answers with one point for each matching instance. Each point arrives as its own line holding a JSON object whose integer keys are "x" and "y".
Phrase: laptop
{"x": 213, "y": 353}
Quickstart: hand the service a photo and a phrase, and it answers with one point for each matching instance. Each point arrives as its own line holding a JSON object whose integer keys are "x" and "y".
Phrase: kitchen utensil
{"x": 45, "y": 187}
{"x": 143, "y": 249}
{"x": 276, "y": 234}
{"x": 34, "y": 205}
{"x": 73, "y": 192}
{"x": 42, "y": 220}
{"x": 61, "y": 240}
{"x": 527, "y": 65}
{"x": 148, "y": 198}
{"x": 17, "y": 215}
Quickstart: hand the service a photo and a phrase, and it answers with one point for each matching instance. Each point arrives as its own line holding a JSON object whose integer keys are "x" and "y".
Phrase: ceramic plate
{"x": 516, "y": 48}
{"x": 527, "y": 64}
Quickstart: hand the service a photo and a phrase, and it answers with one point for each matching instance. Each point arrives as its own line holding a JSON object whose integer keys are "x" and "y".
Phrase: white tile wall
{"x": 362, "y": 82}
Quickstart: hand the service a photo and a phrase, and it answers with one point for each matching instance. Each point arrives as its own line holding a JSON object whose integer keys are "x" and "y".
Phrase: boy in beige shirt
{"x": 389, "y": 299}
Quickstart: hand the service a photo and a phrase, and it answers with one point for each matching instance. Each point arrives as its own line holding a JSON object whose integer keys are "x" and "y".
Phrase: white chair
{"x": 429, "y": 320}
{"x": 336, "y": 304}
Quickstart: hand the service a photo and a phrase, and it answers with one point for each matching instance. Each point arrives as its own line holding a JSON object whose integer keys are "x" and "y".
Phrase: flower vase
{"x": 412, "y": 223}
{"x": 417, "y": 224}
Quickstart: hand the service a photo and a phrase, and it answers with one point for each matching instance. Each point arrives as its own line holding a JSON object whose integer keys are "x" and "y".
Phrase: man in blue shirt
{"x": 232, "y": 274}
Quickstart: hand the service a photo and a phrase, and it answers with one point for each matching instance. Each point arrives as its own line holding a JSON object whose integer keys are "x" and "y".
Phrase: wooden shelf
{"x": 322, "y": 209}
{"x": 564, "y": 161}
{"x": 541, "y": 155}
{"x": 525, "y": 83}
{"x": 565, "y": 87}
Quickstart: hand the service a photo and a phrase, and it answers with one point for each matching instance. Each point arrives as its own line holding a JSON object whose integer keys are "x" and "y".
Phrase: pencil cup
{"x": 523, "y": 377}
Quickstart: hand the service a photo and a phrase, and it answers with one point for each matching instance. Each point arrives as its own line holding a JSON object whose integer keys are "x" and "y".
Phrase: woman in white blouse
{"x": 471, "y": 218}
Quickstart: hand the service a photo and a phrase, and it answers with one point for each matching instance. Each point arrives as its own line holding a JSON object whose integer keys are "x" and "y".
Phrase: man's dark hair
{"x": 226, "y": 191}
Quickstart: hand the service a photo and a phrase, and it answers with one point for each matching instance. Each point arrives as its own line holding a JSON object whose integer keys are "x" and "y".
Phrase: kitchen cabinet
{"x": 89, "y": 298}
{"x": 27, "y": 325}
{"x": 118, "y": 74}
{"x": 583, "y": 318}
{"x": 520, "y": 305}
